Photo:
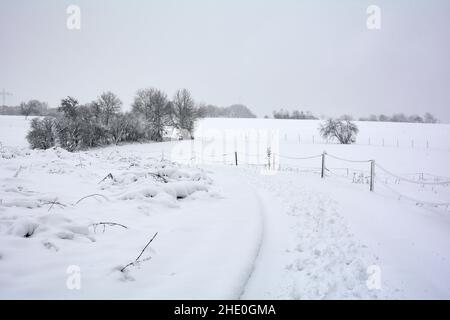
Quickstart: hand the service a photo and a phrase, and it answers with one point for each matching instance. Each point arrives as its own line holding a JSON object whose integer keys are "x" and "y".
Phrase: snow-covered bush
{"x": 135, "y": 127}
{"x": 344, "y": 131}
{"x": 80, "y": 131}
{"x": 92, "y": 132}
{"x": 68, "y": 134}
{"x": 41, "y": 135}
{"x": 126, "y": 127}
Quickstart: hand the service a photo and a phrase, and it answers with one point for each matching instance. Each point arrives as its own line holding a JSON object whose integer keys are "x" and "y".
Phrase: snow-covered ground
{"x": 225, "y": 231}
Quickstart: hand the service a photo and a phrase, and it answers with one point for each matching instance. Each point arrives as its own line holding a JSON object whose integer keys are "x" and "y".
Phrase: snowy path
{"x": 320, "y": 242}
{"x": 307, "y": 250}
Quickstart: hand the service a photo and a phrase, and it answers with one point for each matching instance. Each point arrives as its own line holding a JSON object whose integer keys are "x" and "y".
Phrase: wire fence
{"x": 367, "y": 172}
{"x": 367, "y": 140}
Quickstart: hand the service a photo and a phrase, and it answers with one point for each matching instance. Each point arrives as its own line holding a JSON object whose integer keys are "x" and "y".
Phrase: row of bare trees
{"x": 102, "y": 121}
{"x": 159, "y": 112}
{"x": 298, "y": 115}
{"x": 401, "y": 117}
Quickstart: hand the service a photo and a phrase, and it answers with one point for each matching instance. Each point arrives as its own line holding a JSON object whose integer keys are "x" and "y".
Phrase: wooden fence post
{"x": 322, "y": 174}
{"x": 372, "y": 175}
{"x": 235, "y": 158}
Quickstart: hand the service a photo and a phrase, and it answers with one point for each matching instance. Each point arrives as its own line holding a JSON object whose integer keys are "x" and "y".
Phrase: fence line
{"x": 409, "y": 180}
{"x": 375, "y": 141}
{"x": 401, "y": 195}
{"x": 348, "y": 160}
{"x": 365, "y": 176}
{"x": 298, "y": 158}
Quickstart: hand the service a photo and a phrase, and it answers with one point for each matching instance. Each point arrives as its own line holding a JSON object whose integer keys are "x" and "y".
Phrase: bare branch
{"x": 52, "y": 203}
{"x": 91, "y": 195}
{"x": 137, "y": 259}
{"x": 109, "y": 176}
{"x": 109, "y": 224}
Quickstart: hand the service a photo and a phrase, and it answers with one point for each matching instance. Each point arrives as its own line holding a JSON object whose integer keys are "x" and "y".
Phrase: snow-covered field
{"x": 225, "y": 231}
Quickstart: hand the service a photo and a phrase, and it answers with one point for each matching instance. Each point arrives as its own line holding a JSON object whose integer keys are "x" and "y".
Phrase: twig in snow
{"x": 109, "y": 176}
{"x": 137, "y": 259}
{"x": 109, "y": 224}
{"x": 18, "y": 172}
{"x": 91, "y": 195}
{"x": 52, "y": 203}
{"x": 159, "y": 176}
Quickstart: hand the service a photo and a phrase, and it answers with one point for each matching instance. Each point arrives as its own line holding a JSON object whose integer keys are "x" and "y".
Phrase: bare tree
{"x": 96, "y": 110}
{"x": 154, "y": 106}
{"x": 32, "y": 107}
{"x": 429, "y": 118}
{"x": 184, "y": 113}
{"x": 109, "y": 105}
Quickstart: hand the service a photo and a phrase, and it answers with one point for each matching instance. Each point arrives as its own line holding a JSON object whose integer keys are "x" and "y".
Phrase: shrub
{"x": 41, "y": 135}
{"x": 135, "y": 128}
{"x": 68, "y": 134}
{"x": 343, "y": 130}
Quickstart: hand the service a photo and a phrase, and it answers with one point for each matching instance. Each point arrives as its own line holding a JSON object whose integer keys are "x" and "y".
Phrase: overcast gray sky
{"x": 310, "y": 55}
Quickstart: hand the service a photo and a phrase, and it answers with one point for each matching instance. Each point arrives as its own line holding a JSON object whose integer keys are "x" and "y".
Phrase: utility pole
{"x": 4, "y": 94}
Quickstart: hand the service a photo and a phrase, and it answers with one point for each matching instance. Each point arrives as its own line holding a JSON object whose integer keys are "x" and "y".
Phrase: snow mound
{"x": 95, "y": 209}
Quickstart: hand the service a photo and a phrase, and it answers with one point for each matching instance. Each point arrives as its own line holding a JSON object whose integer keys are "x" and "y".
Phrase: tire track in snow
{"x": 253, "y": 266}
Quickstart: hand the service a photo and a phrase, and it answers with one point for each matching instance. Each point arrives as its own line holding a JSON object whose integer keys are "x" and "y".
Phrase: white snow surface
{"x": 226, "y": 232}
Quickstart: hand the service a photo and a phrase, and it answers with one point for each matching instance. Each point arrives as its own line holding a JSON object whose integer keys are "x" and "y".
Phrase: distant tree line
{"x": 285, "y": 114}
{"x": 401, "y": 117}
{"x": 233, "y": 111}
{"x": 30, "y": 108}
{"x": 101, "y": 122}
